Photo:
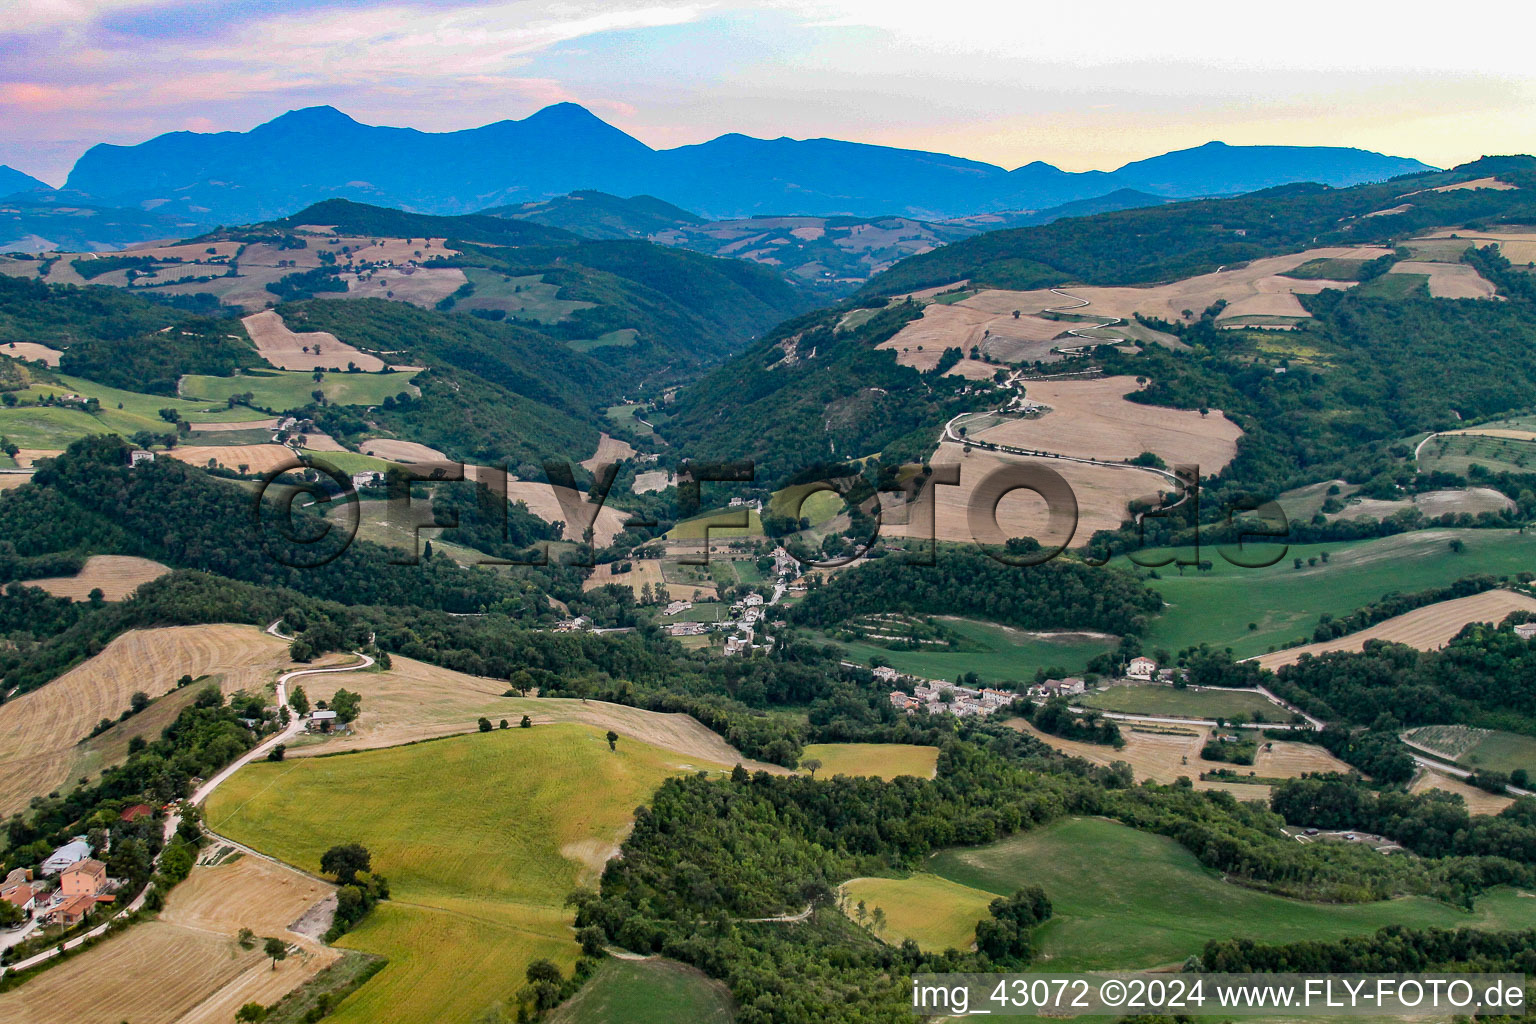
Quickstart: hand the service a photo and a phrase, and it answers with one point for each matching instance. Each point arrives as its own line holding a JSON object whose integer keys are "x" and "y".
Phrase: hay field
{"x": 186, "y": 967}
{"x": 32, "y": 350}
{"x": 543, "y": 502}
{"x": 1172, "y": 702}
{"x": 1255, "y": 290}
{"x": 1161, "y": 753}
{"x": 401, "y": 451}
{"x": 1449, "y": 280}
{"x": 270, "y": 423}
{"x": 1478, "y": 748}
{"x": 1125, "y": 899}
{"x": 416, "y": 701}
{"x": 1282, "y": 759}
{"x": 1493, "y": 183}
{"x": 645, "y": 570}
{"x": 1478, "y": 801}
{"x": 1471, "y": 500}
{"x": 285, "y": 350}
{"x": 609, "y": 449}
{"x": 1428, "y": 628}
{"x": 9, "y": 480}
{"x": 481, "y": 837}
{"x": 275, "y": 389}
{"x": 934, "y": 912}
{"x": 420, "y": 286}
{"x": 874, "y": 760}
{"x": 116, "y": 575}
{"x": 1102, "y": 493}
{"x": 920, "y": 343}
{"x": 257, "y": 458}
{"x": 1092, "y": 419}
{"x": 652, "y": 480}
{"x": 39, "y": 730}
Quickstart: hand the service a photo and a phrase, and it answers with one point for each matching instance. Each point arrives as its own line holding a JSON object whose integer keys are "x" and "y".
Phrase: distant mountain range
{"x": 318, "y": 153}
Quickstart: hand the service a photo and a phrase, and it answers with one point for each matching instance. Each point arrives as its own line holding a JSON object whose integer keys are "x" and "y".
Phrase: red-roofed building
{"x": 134, "y": 813}
{"x": 72, "y": 911}
{"x": 83, "y": 878}
{"x": 21, "y": 897}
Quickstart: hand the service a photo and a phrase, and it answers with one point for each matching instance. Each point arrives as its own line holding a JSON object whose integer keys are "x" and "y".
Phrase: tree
{"x": 10, "y": 915}
{"x": 613, "y": 740}
{"x": 505, "y": 724}
{"x": 299, "y": 701}
{"x": 878, "y": 920}
{"x": 276, "y": 949}
{"x": 247, "y": 939}
{"x": 278, "y": 752}
{"x": 346, "y": 704}
{"x": 485, "y": 724}
{"x": 346, "y": 862}
{"x": 300, "y": 650}
{"x": 251, "y": 1012}
{"x": 811, "y": 765}
{"x": 526, "y": 723}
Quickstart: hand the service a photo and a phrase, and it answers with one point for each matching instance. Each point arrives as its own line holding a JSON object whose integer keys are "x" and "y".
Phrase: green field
{"x": 481, "y": 837}
{"x": 1394, "y": 286}
{"x": 624, "y": 337}
{"x": 50, "y": 427}
{"x": 1479, "y": 748}
{"x": 695, "y": 529}
{"x": 624, "y": 416}
{"x": 934, "y": 912}
{"x": 995, "y": 653}
{"x": 526, "y": 298}
{"x": 647, "y": 992}
{"x": 291, "y": 389}
{"x": 1284, "y": 602}
{"x": 1456, "y": 453}
{"x": 877, "y": 760}
{"x": 1155, "y": 699}
{"x": 1126, "y": 899}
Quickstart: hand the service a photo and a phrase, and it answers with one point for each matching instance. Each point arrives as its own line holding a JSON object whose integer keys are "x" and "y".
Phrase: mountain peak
{"x": 12, "y": 180}
{"x": 321, "y": 117}
{"x": 566, "y": 113}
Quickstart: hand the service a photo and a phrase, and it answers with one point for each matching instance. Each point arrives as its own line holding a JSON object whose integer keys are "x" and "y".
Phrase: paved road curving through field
{"x": 201, "y": 794}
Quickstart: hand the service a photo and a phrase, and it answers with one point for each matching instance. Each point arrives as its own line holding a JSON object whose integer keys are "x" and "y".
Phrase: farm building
{"x": 886, "y": 674}
{"x": 70, "y": 853}
{"x": 1141, "y": 668}
{"x": 21, "y": 897}
{"x": 83, "y": 878}
{"x": 139, "y": 456}
{"x": 678, "y": 607}
{"x": 1526, "y": 630}
{"x": 72, "y": 911}
{"x": 321, "y": 721}
{"x": 687, "y": 629}
{"x": 1061, "y": 687}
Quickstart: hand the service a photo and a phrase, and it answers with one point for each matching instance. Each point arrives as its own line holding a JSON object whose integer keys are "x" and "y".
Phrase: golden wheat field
{"x": 1478, "y": 801}
{"x": 186, "y": 967}
{"x": 31, "y": 350}
{"x": 421, "y": 286}
{"x": 401, "y": 451}
{"x": 39, "y": 731}
{"x": 286, "y": 350}
{"x": 609, "y": 449}
{"x": 1426, "y": 628}
{"x": 257, "y": 458}
{"x": 1449, "y": 280}
{"x": 1102, "y": 494}
{"x": 116, "y": 576}
{"x": 1093, "y": 419}
{"x": 643, "y": 571}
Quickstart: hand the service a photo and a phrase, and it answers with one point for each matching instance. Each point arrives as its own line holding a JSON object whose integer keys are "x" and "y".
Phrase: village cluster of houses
{"x": 944, "y": 698}
{"x": 68, "y": 886}
{"x": 940, "y": 697}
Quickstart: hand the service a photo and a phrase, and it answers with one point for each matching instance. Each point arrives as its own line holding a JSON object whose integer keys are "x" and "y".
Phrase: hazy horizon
{"x": 1091, "y": 88}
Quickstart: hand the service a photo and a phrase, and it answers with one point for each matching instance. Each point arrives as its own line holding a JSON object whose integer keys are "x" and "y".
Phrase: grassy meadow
{"x": 1128, "y": 899}
{"x": 481, "y": 838}
{"x": 647, "y": 992}
{"x": 290, "y": 389}
{"x": 934, "y": 912}
{"x": 1156, "y": 699}
{"x": 876, "y": 760}
{"x": 1284, "y": 603}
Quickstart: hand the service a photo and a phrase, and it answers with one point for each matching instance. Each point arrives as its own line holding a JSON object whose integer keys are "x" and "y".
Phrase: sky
{"x": 1090, "y": 84}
